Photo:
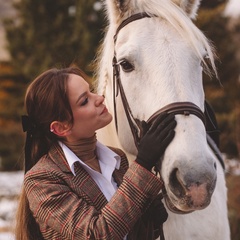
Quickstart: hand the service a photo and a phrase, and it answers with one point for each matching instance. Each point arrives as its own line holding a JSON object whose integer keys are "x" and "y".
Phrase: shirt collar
{"x": 105, "y": 155}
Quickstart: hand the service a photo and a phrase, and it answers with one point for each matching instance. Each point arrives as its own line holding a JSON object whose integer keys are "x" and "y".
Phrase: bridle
{"x": 185, "y": 108}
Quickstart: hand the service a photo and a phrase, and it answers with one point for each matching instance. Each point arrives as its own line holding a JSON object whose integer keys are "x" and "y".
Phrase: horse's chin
{"x": 173, "y": 208}
{"x": 181, "y": 208}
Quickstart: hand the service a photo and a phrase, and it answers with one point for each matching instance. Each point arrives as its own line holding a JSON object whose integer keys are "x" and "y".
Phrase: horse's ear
{"x": 121, "y": 4}
{"x": 189, "y": 6}
{"x": 117, "y": 8}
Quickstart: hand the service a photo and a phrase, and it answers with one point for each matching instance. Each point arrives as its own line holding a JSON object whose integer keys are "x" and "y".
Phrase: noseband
{"x": 184, "y": 108}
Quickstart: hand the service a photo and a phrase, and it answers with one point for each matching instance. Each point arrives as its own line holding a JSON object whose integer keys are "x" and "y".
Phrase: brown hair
{"x": 46, "y": 101}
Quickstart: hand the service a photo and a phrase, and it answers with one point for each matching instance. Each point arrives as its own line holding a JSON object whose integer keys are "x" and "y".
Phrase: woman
{"x": 75, "y": 187}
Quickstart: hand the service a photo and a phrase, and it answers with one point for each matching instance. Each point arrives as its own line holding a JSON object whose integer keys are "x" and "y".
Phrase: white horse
{"x": 160, "y": 57}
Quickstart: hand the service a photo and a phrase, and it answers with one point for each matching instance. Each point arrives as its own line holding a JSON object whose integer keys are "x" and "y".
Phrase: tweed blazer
{"x": 73, "y": 207}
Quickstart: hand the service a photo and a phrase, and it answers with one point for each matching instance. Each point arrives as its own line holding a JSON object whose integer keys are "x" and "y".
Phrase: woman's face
{"x": 89, "y": 112}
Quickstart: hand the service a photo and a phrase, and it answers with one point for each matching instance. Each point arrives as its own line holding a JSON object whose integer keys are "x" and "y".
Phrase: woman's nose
{"x": 99, "y": 100}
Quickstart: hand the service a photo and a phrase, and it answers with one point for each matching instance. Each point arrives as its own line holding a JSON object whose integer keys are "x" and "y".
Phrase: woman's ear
{"x": 61, "y": 129}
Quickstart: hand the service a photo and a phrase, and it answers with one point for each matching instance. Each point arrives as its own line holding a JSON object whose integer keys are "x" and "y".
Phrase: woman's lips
{"x": 104, "y": 110}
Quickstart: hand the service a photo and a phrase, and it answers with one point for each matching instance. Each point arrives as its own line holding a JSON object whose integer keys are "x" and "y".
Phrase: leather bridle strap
{"x": 129, "y": 20}
{"x": 134, "y": 123}
{"x": 184, "y": 108}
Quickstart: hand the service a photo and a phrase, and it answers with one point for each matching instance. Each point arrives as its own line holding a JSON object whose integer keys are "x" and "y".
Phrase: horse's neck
{"x": 108, "y": 136}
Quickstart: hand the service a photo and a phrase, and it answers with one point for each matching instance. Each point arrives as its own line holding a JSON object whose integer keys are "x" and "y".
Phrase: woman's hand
{"x": 156, "y": 139}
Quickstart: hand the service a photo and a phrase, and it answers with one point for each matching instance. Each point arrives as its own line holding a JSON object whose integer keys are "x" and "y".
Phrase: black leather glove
{"x": 156, "y": 139}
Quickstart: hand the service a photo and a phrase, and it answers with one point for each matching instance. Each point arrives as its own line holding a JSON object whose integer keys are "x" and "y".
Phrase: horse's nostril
{"x": 176, "y": 184}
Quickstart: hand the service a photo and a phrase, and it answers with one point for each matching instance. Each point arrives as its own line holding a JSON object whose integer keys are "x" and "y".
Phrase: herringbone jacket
{"x": 73, "y": 207}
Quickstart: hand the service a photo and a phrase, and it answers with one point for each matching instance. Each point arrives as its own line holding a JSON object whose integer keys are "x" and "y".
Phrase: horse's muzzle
{"x": 189, "y": 192}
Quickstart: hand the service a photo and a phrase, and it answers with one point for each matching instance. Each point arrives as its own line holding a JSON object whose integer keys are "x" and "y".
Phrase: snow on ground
{"x": 6, "y": 236}
{"x": 10, "y": 187}
{"x": 10, "y": 183}
{"x": 7, "y": 211}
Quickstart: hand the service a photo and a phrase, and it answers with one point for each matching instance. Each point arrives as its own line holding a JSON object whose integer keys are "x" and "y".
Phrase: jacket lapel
{"x": 82, "y": 184}
{"x": 86, "y": 183}
{"x": 118, "y": 176}
{"x": 119, "y": 173}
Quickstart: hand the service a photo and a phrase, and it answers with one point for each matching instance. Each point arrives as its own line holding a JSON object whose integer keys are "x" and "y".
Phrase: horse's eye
{"x": 126, "y": 66}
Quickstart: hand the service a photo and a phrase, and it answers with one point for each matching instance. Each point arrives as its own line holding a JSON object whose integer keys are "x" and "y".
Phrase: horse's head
{"x": 160, "y": 59}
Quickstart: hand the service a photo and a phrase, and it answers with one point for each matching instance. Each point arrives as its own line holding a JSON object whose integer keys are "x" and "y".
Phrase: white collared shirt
{"x": 108, "y": 161}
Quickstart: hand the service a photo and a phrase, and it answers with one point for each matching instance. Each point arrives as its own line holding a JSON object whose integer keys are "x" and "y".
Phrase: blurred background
{"x": 39, "y": 34}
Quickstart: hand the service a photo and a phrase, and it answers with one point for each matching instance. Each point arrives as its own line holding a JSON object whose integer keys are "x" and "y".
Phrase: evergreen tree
{"x": 49, "y": 33}
{"x": 11, "y": 104}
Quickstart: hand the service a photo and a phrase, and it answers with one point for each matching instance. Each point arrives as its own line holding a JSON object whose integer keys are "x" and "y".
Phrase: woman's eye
{"x": 84, "y": 102}
{"x": 126, "y": 66}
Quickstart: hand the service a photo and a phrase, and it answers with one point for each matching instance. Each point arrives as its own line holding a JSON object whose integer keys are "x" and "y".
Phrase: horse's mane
{"x": 172, "y": 13}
